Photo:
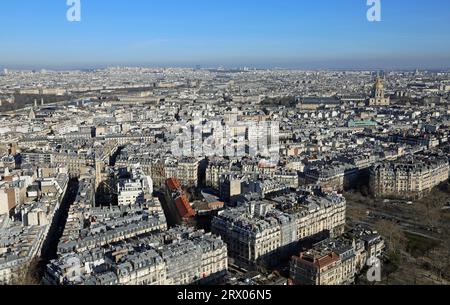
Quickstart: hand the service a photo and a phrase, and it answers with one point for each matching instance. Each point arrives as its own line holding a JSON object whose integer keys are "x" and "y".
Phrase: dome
{"x": 379, "y": 84}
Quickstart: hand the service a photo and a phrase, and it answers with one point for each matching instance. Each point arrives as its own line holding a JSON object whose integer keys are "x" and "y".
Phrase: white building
{"x": 136, "y": 190}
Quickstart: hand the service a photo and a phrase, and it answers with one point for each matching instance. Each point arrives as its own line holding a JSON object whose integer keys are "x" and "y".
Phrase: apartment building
{"x": 136, "y": 190}
{"x": 179, "y": 256}
{"x": 336, "y": 261}
{"x": 214, "y": 171}
{"x": 263, "y": 232}
{"x": 336, "y": 176}
{"x": 410, "y": 177}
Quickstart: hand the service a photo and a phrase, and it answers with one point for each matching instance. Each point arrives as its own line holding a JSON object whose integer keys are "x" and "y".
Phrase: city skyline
{"x": 290, "y": 34}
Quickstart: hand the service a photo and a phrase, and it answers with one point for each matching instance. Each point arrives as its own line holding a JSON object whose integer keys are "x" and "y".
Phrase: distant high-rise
{"x": 5, "y": 71}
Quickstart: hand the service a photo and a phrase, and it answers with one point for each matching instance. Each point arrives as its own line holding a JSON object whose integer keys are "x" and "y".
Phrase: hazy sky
{"x": 260, "y": 33}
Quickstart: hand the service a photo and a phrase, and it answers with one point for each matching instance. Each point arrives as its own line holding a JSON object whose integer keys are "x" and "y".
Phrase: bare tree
{"x": 438, "y": 261}
{"x": 356, "y": 213}
{"x": 428, "y": 214}
{"x": 394, "y": 237}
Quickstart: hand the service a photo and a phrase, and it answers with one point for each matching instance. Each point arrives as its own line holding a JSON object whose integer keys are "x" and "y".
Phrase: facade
{"x": 77, "y": 163}
{"x": 336, "y": 261}
{"x": 214, "y": 171}
{"x": 185, "y": 170}
{"x": 408, "y": 178}
{"x": 234, "y": 185}
{"x": 337, "y": 176}
{"x": 13, "y": 190}
{"x": 130, "y": 192}
{"x": 230, "y": 186}
{"x": 179, "y": 256}
{"x": 257, "y": 234}
{"x": 136, "y": 190}
{"x": 263, "y": 232}
{"x": 22, "y": 241}
{"x": 7, "y": 199}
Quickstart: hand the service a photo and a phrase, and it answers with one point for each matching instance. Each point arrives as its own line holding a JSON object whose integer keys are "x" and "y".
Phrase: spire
{"x": 31, "y": 114}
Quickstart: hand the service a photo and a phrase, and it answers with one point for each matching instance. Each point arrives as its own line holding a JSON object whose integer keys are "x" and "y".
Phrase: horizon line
{"x": 214, "y": 67}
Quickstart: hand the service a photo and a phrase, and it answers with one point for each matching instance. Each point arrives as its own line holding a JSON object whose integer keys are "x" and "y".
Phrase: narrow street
{"x": 50, "y": 247}
{"x": 170, "y": 210}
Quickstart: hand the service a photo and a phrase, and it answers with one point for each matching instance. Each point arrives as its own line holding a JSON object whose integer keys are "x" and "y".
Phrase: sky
{"x": 316, "y": 34}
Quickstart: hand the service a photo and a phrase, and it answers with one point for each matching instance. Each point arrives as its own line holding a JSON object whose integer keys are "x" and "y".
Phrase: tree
{"x": 394, "y": 237}
{"x": 446, "y": 251}
{"x": 427, "y": 213}
{"x": 438, "y": 260}
{"x": 356, "y": 214}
